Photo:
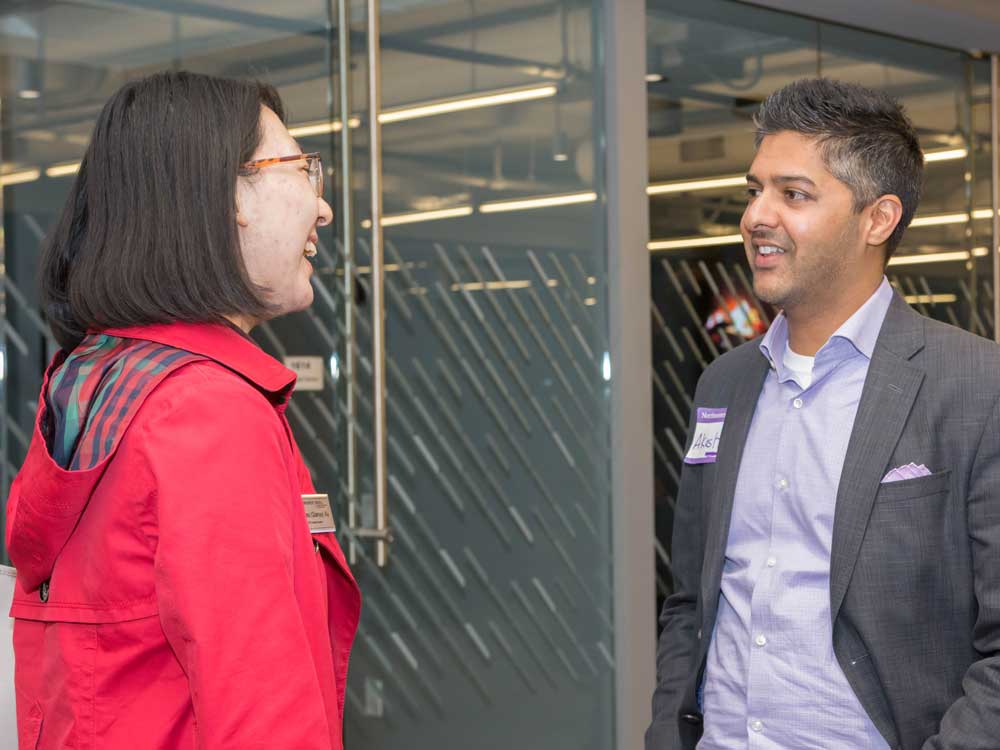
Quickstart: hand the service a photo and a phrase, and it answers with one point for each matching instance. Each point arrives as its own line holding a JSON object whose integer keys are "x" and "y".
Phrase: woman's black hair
{"x": 148, "y": 233}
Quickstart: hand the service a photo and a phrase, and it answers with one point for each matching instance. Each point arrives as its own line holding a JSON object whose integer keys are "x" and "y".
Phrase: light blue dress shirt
{"x": 772, "y": 681}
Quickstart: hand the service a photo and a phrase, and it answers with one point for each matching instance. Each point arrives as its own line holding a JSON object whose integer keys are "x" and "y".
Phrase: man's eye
{"x": 752, "y": 192}
{"x": 796, "y": 195}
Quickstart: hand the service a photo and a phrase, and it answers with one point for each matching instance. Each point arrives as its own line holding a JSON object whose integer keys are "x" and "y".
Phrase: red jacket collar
{"x": 225, "y": 345}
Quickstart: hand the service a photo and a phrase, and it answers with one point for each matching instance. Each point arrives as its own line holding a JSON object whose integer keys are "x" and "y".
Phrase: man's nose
{"x": 760, "y": 212}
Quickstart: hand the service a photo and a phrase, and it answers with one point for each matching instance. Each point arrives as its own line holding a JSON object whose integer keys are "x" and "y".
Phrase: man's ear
{"x": 884, "y": 217}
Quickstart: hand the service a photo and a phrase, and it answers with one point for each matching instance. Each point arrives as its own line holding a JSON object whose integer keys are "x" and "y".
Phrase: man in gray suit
{"x": 836, "y": 545}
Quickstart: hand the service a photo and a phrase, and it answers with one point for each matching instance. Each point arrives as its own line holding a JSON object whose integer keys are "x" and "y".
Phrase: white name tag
{"x": 707, "y": 433}
{"x": 308, "y": 371}
{"x": 318, "y": 514}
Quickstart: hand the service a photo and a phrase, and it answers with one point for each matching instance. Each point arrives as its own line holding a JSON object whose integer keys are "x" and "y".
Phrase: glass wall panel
{"x": 709, "y": 67}
{"x": 492, "y": 620}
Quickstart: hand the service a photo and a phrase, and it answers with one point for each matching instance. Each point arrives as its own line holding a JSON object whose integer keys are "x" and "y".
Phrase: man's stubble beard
{"x": 810, "y": 280}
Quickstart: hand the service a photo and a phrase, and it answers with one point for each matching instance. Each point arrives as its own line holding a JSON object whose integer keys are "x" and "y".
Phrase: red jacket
{"x": 169, "y": 593}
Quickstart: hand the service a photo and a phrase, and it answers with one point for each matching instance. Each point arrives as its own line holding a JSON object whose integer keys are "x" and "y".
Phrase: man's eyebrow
{"x": 782, "y": 179}
{"x": 785, "y": 179}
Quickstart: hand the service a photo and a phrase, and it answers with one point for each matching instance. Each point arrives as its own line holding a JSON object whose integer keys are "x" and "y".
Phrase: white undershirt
{"x": 801, "y": 366}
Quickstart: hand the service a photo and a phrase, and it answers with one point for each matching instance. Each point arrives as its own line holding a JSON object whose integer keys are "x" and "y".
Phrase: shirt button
{"x": 797, "y": 403}
{"x": 772, "y": 561}
{"x": 760, "y": 640}
{"x": 783, "y": 484}
{"x": 757, "y": 725}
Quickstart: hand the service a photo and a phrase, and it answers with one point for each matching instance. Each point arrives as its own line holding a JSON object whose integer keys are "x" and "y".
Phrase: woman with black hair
{"x": 171, "y": 592}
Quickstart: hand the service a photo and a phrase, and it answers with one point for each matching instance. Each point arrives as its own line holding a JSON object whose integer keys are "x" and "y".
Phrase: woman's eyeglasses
{"x": 312, "y": 159}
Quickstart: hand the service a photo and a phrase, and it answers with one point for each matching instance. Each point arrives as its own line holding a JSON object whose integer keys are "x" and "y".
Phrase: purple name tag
{"x": 707, "y": 433}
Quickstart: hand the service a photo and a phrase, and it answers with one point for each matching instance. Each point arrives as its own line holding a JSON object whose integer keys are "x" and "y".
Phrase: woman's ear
{"x": 242, "y": 220}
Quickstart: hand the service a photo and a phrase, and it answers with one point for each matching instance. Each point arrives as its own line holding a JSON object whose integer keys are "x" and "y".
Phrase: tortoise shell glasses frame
{"x": 312, "y": 159}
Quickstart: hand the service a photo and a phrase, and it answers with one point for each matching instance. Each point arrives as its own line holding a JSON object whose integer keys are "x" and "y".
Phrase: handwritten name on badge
{"x": 707, "y": 434}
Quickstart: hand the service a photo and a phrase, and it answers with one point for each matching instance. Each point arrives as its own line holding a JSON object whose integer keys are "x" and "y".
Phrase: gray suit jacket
{"x": 915, "y": 564}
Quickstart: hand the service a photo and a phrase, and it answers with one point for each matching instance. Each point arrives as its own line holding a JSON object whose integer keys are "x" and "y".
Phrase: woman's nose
{"x": 325, "y": 213}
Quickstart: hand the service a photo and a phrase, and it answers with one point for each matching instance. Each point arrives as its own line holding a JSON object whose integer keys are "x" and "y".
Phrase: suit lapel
{"x": 739, "y": 415}
{"x": 890, "y": 388}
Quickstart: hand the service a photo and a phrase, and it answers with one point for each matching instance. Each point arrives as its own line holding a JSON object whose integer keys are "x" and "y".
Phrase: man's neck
{"x": 811, "y": 325}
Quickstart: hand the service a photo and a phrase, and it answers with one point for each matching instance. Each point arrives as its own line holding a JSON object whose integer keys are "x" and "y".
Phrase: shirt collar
{"x": 861, "y": 329}
{"x": 224, "y": 344}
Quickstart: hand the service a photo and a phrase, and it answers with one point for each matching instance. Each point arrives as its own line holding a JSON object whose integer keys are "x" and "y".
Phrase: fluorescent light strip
{"x": 16, "y": 178}
{"x": 930, "y": 299}
{"x": 478, "y": 286}
{"x": 61, "y": 170}
{"x": 458, "y": 104}
{"x": 708, "y": 183}
{"x": 912, "y": 260}
{"x": 416, "y": 216}
{"x": 958, "y": 218}
{"x": 545, "y": 201}
{"x": 686, "y": 242}
{"x": 940, "y": 219}
{"x": 411, "y": 218}
{"x": 945, "y": 154}
{"x": 322, "y": 127}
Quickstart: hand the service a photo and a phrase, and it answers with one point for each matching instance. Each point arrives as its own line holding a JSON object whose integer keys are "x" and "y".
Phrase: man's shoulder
{"x": 732, "y": 365}
{"x": 951, "y": 348}
{"x": 747, "y": 353}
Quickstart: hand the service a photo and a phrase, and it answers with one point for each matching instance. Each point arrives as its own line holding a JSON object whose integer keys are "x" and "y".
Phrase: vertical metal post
{"x": 377, "y": 281}
{"x": 995, "y": 191}
{"x": 347, "y": 238}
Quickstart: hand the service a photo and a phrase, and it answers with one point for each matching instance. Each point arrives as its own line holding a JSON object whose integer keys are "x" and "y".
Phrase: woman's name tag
{"x": 318, "y": 513}
{"x": 707, "y": 433}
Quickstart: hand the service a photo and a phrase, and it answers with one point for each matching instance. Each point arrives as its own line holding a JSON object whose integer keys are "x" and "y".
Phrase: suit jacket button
{"x": 43, "y": 591}
{"x": 692, "y": 718}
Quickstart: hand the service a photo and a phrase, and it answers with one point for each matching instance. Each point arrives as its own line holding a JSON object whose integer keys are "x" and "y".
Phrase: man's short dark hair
{"x": 148, "y": 233}
{"x": 866, "y": 140}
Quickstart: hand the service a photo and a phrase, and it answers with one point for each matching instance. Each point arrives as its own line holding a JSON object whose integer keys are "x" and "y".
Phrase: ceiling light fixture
{"x": 458, "y": 104}
{"x": 956, "y": 218}
{"x": 702, "y": 183}
{"x": 322, "y": 127}
{"x": 946, "y": 154}
{"x": 939, "y": 220}
{"x": 61, "y": 170}
{"x": 16, "y": 178}
{"x": 690, "y": 242}
{"x": 417, "y": 216}
{"x": 543, "y": 201}
{"x": 912, "y": 260}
